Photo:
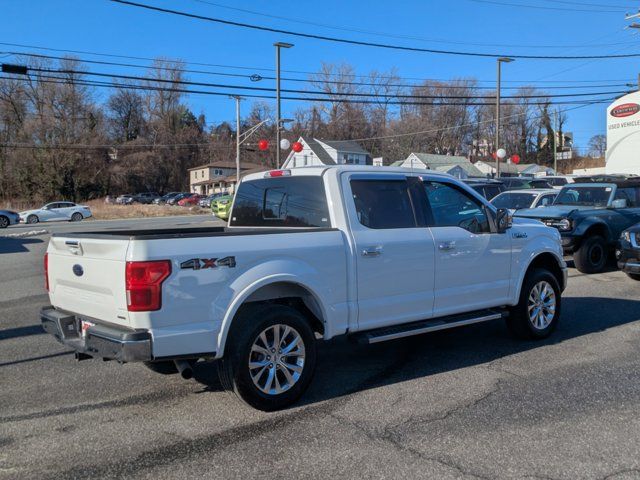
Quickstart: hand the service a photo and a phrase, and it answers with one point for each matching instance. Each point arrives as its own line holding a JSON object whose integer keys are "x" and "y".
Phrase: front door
{"x": 394, "y": 251}
{"x": 473, "y": 261}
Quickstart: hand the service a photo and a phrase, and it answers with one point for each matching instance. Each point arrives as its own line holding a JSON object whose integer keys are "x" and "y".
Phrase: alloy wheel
{"x": 541, "y": 305}
{"x": 277, "y": 359}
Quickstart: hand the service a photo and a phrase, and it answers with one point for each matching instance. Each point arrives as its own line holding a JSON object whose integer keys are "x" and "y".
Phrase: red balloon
{"x": 297, "y": 147}
{"x": 263, "y": 144}
{"x": 515, "y": 159}
{"x": 494, "y": 155}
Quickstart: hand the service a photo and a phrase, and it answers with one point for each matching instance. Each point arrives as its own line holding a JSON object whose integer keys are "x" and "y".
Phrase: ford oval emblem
{"x": 78, "y": 270}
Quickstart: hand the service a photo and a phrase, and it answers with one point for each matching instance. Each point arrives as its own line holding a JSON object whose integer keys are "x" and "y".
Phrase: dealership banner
{"x": 623, "y": 135}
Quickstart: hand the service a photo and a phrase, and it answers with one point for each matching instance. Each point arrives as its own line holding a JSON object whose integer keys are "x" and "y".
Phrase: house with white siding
{"x": 457, "y": 166}
{"x": 327, "y": 152}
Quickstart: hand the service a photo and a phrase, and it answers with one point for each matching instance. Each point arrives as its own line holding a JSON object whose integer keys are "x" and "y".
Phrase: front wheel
{"x": 538, "y": 310}
{"x": 270, "y": 357}
{"x": 591, "y": 257}
{"x": 32, "y": 219}
{"x": 76, "y": 217}
{"x": 4, "y": 221}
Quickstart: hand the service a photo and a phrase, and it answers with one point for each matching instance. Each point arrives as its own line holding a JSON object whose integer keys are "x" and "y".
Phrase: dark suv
{"x": 486, "y": 187}
{"x": 591, "y": 216}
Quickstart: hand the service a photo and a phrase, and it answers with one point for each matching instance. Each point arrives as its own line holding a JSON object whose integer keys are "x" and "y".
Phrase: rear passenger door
{"x": 394, "y": 250}
{"x": 472, "y": 260}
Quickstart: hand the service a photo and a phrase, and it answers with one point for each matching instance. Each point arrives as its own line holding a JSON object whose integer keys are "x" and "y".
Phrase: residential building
{"x": 457, "y": 166}
{"x": 327, "y": 152}
{"x": 217, "y": 177}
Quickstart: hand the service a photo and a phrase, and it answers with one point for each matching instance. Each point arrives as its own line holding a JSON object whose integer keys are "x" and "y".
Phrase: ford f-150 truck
{"x": 308, "y": 254}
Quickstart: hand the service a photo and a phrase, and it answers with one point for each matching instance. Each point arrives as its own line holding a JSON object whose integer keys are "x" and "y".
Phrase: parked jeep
{"x": 591, "y": 216}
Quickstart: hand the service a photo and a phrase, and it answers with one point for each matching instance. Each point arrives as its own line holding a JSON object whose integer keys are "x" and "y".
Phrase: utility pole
{"x": 498, "y": 93}
{"x": 237, "y": 98}
{"x": 278, "y": 46}
{"x": 555, "y": 140}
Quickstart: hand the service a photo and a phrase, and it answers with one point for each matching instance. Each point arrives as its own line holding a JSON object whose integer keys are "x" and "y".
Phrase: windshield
{"x": 588, "y": 196}
{"x": 514, "y": 201}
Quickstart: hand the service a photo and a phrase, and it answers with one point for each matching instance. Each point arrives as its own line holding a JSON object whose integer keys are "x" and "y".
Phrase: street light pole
{"x": 237, "y": 98}
{"x": 498, "y": 93}
{"x": 278, "y": 46}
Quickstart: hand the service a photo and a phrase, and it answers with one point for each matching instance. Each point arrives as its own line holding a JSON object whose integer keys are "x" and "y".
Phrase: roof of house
{"x": 345, "y": 146}
{"x": 226, "y": 164}
{"x": 434, "y": 162}
{"x": 319, "y": 151}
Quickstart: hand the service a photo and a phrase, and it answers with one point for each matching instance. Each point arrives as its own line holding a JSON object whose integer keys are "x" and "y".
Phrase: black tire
{"x": 519, "y": 322}
{"x": 4, "y": 221}
{"x": 164, "y": 368}
{"x": 634, "y": 276}
{"x": 32, "y": 219}
{"x": 76, "y": 217}
{"x": 592, "y": 255}
{"x": 233, "y": 368}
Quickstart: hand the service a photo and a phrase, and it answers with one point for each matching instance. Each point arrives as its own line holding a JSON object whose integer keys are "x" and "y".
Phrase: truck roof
{"x": 320, "y": 170}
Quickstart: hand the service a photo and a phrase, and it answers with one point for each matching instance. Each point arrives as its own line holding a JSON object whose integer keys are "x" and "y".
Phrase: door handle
{"x": 446, "y": 246}
{"x": 372, "y": 251}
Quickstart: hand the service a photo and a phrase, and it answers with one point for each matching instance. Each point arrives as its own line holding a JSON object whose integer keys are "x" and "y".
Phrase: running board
{"x": 427, "y": 326}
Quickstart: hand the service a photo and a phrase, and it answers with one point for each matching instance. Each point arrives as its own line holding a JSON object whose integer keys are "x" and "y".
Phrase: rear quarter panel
{"x": 199, "y": 305}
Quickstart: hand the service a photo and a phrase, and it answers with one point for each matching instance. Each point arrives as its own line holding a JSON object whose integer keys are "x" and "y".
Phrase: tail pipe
{"x": 184, "y": 368}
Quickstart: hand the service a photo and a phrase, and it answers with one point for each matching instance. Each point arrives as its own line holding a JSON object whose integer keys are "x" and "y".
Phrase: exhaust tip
{"x": 185, "y": 369}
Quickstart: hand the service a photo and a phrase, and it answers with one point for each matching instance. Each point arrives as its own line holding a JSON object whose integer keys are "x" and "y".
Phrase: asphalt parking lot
{"x": 467, "y": 403}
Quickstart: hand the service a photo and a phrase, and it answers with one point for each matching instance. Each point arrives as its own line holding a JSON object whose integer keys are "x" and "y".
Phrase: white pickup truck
{"x": 309, "y": 254}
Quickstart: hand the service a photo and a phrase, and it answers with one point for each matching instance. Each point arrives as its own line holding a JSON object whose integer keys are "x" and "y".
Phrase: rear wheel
{"x": 33, "y": 219}
{"x": 270, "y": 357}
{"x": 76, "y": 217}
{"x": 4, "y": 221}
{"x": 591, "y": 257}
{"x": 536, "y": 314}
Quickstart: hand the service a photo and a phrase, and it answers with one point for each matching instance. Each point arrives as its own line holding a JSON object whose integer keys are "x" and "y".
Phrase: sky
{"x": 506, "y": 27}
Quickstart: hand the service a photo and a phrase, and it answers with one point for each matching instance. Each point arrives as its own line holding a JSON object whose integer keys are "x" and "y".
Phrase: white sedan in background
{"x": 518, "y": 199}
{"x": 56, "y": 212}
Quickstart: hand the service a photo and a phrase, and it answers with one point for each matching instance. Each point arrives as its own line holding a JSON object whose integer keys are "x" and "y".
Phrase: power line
{"x": 389, "y": 35}
{"x": 368, "y": 44}
{"x": 239, "y": 67}
{"x": 315, "y": 92}
{"x": 540, "y": 7}
{"x": 58, "y": 80}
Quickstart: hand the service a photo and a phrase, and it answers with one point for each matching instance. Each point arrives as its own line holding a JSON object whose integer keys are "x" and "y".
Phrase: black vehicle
{"x": 145, "y": 197}
{"x": 486, "y": 187}
{"x": 521, "y": 183}
{"x": 591, "y": 217}
{"x": 165, "y": 198}
{"x": 629, "y": 253}
{"x": 176, "y": 198}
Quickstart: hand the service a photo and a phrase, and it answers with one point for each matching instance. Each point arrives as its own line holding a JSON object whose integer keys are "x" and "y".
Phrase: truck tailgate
{"x": 87, "y": 276}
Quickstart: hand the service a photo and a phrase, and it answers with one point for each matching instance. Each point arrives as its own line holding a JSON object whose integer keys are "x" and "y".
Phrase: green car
{"x": 221, "y": 206}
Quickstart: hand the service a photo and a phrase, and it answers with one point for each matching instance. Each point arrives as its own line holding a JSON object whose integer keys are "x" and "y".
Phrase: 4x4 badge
{"x": 203, "y": 263}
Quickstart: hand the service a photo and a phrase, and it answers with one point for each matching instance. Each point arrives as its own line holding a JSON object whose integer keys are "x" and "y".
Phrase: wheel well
{"x": 549, "y": 262}
{"x": 597, "y": 229}
{"x": 293, "y": 295}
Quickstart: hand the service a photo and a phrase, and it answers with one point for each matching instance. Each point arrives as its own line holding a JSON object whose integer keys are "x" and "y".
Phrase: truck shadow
{"x": 344, "y": 368}
{"x": 16, "y": 245}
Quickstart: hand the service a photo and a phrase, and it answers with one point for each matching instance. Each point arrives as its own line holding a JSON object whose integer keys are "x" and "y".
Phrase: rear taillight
{"x": 46, "y": 271}
{"x": 144, "y": 284}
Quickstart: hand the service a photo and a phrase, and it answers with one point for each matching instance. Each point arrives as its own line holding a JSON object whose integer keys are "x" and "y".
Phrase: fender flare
{"x": 253, "y": 287}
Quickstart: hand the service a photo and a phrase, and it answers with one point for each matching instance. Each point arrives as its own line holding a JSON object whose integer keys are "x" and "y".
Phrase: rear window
{"x": 556, "y": 182}
{"x": 281, "y": 202}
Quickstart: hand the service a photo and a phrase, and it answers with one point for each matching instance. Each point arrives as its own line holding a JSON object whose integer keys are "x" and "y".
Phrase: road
{"x": 468, "y": 403}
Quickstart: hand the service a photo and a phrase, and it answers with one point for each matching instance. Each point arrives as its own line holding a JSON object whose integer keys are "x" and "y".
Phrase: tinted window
{"x": 452, "y": 207}
{"x": 557, "y": 182}
{"x": 589, "y": 196}
{"x": 281, "y": 202}
{"x": 383, "y": 204}
{"x": 491, "y": 191}
{"x": 539, "y": 184}
{"x": 514, "y": 201}
{"x": 629, "y": 194}
{"x": 546, "y": 200}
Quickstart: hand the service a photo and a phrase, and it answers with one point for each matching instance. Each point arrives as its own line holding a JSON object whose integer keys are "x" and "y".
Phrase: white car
{"x": 520, "y": 199}
{"x": 56, "y": 212}
{"x": 309, "y": 253}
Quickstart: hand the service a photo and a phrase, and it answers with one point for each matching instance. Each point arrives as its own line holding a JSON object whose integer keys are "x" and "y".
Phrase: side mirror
{"x": 619, "y": 203}
{"x": 503, "y": 220}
